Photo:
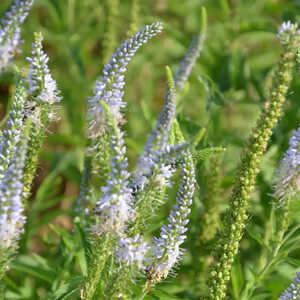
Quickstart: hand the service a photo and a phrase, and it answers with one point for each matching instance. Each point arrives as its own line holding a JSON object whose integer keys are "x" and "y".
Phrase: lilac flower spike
{"x": 158, "y": 139}
{"x": 114, "y": 206}
{"x": 12, "y": 133}
{"x": 10, "y": 31}
{"x": 11, "y": 210}
{"x": 193, "y": 52}
{"x": 109, "y": 86}
{"x": 41, "y": 84}
{"x": 133, "y": 251}
{"x": 167, "y": 251}
{"x": 293, "y": 291}
{"x": 288, "y": 173}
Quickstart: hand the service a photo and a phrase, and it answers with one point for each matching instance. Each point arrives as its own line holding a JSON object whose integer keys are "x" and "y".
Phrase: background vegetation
{"x": 226, "y": 91}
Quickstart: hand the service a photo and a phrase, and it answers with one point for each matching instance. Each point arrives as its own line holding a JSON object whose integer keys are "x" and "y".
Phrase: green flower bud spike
{"x": 236, "y": 217}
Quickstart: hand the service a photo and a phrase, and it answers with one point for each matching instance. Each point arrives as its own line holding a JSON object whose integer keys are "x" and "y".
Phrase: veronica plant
{"x": 10, "y": 31}
{"x": 126, "y": 200}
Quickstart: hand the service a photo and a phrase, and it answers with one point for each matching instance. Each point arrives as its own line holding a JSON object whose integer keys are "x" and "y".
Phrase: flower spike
{"x": 288, "y": 173}
{"x": 40, "y": 107}
{"x": 193, "y": 52}
{"x": 167, "y": 251}
{"x": 11, "y": 207}
{"x": 41, "y": 84}
{"x": 109, "y": 86}
{"x": 12, "y": 134}
{"x": 114, "y": 206}
{"x": 293, "y": 291}
{"x": 10, "y": 31}
{"x": 158, "y": 139}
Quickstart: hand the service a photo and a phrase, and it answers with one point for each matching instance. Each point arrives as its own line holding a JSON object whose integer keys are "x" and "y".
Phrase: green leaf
{"x": 68, "y": 289}
{"x": 35, "y": 266}
{"x": 205, "y": 153}
{"x": 237, "y": 278}
{"x": 255, "y": 235}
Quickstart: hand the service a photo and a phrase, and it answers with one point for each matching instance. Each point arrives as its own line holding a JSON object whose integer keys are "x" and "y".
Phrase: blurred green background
{"x": 228, "y": 86}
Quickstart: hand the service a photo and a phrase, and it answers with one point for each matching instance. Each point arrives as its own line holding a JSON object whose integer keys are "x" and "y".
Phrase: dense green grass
{"x": 228, "y": 87}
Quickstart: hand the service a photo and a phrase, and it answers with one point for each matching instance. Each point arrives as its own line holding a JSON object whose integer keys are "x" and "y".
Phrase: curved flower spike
{"x": 109, "y": 86}
{"x": 10, "y": 31}
{"x": 158, "y": 139}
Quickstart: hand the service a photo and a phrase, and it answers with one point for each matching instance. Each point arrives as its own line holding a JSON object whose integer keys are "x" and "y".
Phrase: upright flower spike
{"x": 293, "y": 291}
{"x": 288, "y": 173}
{"x": 160, "y": 135}
{"x": 11, "y": 208}
{"x": 12, "y": 133}
{"x": 113, "y": 210}
{"x": 11, "y": 215}
{"x": 10, "y": 31}
{"x": 109, "y": 86}
{"x": 236, "y": 217}
{"x": 40, "y": 107}
{"x": 114, "y": 206}
{"x": 42, "y": 86}
{"x": 158, "y": 139}
{"x": 193, "y": 52}
{"x": 167, "y": 251}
